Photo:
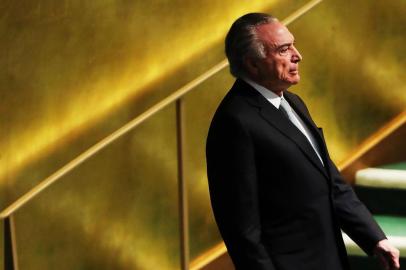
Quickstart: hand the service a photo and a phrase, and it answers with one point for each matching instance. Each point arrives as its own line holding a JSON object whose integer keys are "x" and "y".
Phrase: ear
{"x": 251, "y": 66}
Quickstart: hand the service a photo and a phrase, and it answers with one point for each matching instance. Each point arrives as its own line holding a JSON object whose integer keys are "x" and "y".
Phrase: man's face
{"x": 279, "y": 69}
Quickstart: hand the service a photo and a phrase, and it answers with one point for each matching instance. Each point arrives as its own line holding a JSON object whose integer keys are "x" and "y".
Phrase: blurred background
{"x": 72, "y": 72}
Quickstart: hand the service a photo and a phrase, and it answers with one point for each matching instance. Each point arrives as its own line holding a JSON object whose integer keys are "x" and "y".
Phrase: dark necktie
{"x": 288, "y": 112}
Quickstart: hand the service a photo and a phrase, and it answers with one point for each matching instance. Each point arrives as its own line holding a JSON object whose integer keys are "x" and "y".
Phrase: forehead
{"x": 274, "y": 34}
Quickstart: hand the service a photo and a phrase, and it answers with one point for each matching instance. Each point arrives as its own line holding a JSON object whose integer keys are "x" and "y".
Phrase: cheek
{"x": 283, "y": 70}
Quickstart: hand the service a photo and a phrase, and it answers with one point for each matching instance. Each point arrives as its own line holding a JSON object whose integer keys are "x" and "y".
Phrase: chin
{"x": 295, "y": 80}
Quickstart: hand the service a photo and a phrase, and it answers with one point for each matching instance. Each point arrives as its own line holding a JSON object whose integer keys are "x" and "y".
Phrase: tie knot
{"x": 285, "y": 107}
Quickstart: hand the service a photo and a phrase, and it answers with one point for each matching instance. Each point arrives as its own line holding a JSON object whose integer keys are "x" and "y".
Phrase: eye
{"x": 284, "y": 50}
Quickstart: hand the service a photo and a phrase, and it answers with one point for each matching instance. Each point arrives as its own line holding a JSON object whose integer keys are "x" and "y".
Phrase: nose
{"x": 296, "y": 56}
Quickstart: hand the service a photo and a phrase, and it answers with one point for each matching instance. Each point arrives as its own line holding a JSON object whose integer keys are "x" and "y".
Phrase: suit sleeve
{"x": 233, "y": 188}
{"x": 355, "y": 219}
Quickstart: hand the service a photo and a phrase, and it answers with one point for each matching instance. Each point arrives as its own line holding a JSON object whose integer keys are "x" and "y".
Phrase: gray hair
{"x": 242, "y": 41}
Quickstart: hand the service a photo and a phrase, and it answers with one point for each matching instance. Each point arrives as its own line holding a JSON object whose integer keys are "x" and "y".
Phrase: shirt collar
{"x": 273, "y": 98}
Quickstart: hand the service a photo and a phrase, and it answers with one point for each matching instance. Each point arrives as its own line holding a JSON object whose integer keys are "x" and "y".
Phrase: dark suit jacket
{"x": 275, "y": 204}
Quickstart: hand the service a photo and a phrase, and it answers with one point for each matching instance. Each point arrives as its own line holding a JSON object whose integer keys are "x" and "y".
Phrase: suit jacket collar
{"x": 276, "y": 118}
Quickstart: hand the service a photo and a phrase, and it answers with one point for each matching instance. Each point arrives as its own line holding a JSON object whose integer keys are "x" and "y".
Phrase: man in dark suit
{"x": 278, "y": 199}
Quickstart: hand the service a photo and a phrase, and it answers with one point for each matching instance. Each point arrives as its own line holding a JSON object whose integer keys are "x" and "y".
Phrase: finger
{"x": 396, "y": 264}
{"x": 393, "y": 260}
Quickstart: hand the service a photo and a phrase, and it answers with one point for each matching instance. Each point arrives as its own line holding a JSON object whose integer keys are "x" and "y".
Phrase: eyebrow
{"x": 285, "y": 44}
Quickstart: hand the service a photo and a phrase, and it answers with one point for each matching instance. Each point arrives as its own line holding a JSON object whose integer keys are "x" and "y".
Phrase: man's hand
{"x": 387, "y": 254}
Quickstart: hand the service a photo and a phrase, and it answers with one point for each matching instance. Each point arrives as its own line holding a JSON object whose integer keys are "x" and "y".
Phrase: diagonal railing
{"x": 10, "y": 248}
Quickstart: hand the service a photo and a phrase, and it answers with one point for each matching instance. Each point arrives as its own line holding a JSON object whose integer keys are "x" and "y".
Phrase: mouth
{"x": 294, "y": 71}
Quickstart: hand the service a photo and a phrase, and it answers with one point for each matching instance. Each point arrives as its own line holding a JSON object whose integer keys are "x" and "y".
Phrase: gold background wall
{"x": 72, "y": 72}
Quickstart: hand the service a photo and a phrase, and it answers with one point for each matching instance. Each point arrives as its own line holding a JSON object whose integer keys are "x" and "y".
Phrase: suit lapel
{"x": 305, "y": 116}
{"x": 276, "y": 118}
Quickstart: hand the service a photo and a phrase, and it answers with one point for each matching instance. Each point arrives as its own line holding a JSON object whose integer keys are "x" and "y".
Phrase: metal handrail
{"x": 24, "y": 199}
{"x": 10, "y": 250}
{"x": 378, "y": 136}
